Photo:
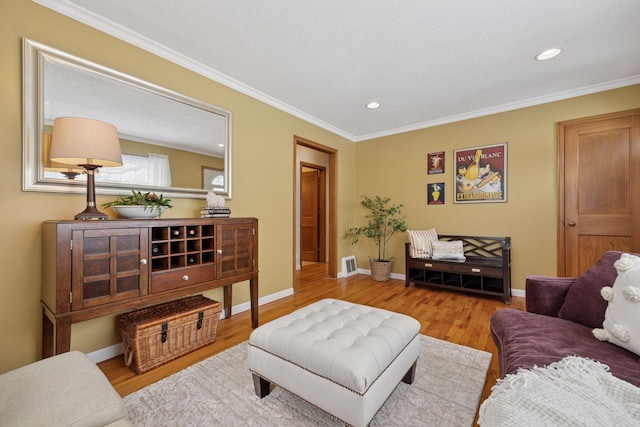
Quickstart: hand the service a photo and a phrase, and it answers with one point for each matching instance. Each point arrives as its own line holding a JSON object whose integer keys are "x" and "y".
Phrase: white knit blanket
{"x": 572, "y": 392}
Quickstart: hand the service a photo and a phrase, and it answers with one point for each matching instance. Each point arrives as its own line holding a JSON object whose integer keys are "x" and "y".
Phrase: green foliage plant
{"x": 148, "y": 200}
{"x": 384, "y": 220}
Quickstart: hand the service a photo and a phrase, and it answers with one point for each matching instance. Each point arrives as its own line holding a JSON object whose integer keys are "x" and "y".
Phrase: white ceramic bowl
{"x": 139, "y": 212}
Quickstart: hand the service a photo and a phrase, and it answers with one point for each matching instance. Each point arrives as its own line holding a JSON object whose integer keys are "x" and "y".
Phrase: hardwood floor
{"x": 452, "y": 316}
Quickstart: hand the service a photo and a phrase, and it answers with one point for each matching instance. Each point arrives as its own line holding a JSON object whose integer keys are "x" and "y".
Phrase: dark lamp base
{"x": 91, "y": 213}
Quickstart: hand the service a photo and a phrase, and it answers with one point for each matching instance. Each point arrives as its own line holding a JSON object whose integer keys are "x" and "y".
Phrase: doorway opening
{"x": 314, "y": 206}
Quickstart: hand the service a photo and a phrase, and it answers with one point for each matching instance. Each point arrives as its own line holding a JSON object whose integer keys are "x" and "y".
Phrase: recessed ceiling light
{"x": 548, "y": 54}
{"x": 373, "y": 105}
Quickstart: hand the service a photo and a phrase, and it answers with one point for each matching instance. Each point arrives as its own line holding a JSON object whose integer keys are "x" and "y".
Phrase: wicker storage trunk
{"x": 156, "y": 335}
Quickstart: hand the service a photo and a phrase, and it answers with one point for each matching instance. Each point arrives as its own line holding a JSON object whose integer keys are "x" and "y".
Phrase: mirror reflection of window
{"x": 217, "y": 182}
{"x": 153, "y": 169}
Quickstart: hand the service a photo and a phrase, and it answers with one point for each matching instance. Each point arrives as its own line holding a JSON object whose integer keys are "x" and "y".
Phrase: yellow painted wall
{"x": 262, "y": 175}
{"x": 396, "y": 166}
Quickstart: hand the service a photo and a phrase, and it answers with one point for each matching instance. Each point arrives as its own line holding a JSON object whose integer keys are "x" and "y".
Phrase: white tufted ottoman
{"x": 344, "y": 358}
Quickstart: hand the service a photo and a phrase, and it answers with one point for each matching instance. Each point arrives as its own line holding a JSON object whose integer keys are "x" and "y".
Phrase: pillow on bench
{"x": 421, "y": 242}
{"x": 453, "y": 249}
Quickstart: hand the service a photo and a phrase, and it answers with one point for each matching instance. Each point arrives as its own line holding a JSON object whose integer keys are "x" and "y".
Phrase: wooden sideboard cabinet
{"x": 98, "y": 268}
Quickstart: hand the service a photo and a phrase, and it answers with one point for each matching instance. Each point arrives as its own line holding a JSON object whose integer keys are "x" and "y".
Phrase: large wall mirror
{"x": 171, "y": 143}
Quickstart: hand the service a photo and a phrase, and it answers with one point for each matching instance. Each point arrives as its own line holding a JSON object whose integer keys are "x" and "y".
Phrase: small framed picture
{"x": 435, "y": 163}
{"x": 212, "y": 178}
{"x": 435, "y": 193}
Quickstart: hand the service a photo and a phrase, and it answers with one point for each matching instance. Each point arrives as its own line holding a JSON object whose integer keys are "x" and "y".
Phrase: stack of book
{"x": 206, "y": 212}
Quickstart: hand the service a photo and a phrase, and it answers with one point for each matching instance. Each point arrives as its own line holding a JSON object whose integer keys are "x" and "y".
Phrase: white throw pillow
{"x": 622, "y": 318}
{"x": 421, "y": 242}
{"x": 443, "y": 249}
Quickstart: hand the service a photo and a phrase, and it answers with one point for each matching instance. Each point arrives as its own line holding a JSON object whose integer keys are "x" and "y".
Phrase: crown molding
{"x": 558, "y": 96}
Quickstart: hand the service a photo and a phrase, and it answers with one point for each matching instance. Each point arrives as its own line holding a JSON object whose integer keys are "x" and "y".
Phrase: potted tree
{"x": 384, "y": 220}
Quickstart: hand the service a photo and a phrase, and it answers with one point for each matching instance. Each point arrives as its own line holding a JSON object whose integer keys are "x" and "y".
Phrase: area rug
{"x": 219, "y": 392}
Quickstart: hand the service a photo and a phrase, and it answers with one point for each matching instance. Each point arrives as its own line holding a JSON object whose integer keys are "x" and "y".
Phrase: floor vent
{"x": 349, "y": 267}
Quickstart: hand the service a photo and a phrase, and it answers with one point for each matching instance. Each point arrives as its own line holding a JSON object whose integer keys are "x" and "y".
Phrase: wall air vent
{"x": 349, "y": 267}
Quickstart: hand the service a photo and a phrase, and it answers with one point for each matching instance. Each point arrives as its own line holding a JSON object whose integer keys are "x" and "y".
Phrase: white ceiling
{"x": 428, "y": 62}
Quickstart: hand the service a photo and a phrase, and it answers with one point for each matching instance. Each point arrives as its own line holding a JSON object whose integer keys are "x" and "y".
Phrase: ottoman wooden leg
{"x": 411, "y": 374}
{"x": 261, "y": 386}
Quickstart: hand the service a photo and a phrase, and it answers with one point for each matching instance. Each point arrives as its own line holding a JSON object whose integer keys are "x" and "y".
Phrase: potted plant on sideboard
{"x": 384, "y": 220}
{"x": 140, "y": 205}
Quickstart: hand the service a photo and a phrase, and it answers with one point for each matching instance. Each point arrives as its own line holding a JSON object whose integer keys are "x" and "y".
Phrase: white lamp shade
{"x": 80, "y": 141}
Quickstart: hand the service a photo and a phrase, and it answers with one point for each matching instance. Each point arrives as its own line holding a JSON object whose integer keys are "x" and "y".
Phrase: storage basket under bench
{"x": 155, "y": 335}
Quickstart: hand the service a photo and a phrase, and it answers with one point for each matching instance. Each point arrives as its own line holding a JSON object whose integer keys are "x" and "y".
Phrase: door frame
{"x": 331, "y": 199}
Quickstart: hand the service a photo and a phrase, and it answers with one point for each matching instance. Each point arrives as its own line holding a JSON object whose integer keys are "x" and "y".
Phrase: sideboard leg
{"x": 48, "y": 328}
{"x": 253, "y": 291}
{"x": 226, "y": 296}
{"x": 63, "y": 335}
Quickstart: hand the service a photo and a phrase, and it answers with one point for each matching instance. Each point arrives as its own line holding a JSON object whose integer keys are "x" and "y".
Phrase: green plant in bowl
{"x": 149, "y": 201}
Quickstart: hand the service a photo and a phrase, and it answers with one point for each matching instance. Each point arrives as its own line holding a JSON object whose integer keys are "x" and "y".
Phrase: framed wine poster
{"x": 435, "y": 163}
{"x": 435, "y": 193}
{"x": 481, "y": 174}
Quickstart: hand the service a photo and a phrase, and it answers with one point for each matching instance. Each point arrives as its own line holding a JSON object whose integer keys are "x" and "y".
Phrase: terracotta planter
{"x": 380, "y": 270}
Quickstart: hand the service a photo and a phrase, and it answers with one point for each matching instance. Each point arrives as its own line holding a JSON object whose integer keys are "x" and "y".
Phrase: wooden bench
{"x": 486, "y": 270}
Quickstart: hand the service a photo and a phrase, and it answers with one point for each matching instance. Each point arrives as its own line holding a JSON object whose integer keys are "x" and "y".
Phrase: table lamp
{"x": 90, "y": 144}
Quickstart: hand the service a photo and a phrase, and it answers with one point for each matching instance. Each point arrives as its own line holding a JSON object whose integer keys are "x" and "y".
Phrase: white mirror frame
{"x": 34, "y": 55}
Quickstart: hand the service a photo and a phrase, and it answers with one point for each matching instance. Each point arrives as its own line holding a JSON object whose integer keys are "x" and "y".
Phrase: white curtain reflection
{"x": 153, "y": 170}
{"x": 159, "y": 170}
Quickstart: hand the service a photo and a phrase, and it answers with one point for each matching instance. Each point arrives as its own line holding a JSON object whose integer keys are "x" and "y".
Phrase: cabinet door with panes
{"x": 235, "y": 243}
{"x": 108, "y": 265}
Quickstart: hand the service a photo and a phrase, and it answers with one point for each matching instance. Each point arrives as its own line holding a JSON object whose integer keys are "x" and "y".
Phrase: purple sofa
{"x": 561, "y": 313}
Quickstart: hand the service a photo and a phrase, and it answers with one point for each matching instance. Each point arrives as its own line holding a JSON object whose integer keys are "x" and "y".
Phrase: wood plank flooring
{"x": 456, "y": 317}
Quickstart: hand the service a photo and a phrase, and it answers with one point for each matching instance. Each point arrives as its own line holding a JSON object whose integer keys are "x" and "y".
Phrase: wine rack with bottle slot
{"x": 486, "y": 270}
{"x": 98, "y": 268}
{"x": 182, "y": 246}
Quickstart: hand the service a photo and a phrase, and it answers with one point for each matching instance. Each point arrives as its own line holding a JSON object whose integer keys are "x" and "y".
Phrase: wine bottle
{"x": 474, "y": 168}
{"x": 155, "y": 249}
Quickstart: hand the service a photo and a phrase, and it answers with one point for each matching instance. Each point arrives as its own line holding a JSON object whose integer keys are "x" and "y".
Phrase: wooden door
{"x": 599, "y": 189}
{"x": 309, "y": 215}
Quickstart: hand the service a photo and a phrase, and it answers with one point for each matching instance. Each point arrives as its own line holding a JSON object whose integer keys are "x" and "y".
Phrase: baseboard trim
{"x": 368, "y": 273}
{"x": 117, "y": 349}
{"x": 518, "y": 293}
